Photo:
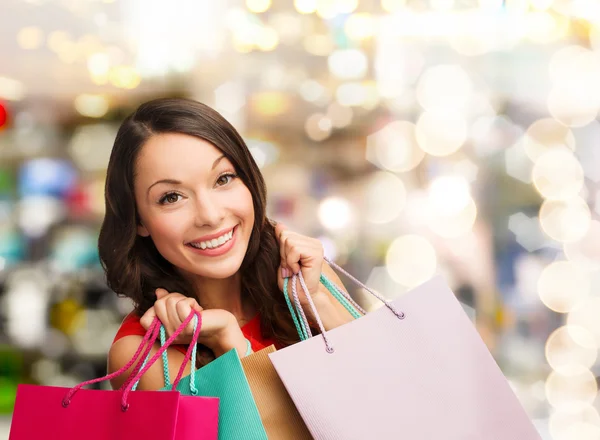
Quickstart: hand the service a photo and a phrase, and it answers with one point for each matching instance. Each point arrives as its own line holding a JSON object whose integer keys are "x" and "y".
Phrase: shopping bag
{"x": 415, "y": 369}
{"x": 277, "y": 411}
{"x": 223, "y": 378}
{"x": 48, "y": 413}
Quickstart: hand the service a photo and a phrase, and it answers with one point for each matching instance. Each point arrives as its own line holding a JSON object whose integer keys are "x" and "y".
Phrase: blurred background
{"x": 413, "y": 137}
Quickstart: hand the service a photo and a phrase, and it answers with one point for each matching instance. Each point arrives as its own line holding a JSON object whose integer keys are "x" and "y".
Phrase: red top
{"x": 251, "y": 330}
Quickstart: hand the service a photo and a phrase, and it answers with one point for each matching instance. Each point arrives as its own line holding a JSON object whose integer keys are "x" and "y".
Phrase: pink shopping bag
{"x": 416, "y": 369}
{"x": 44, "y": 412}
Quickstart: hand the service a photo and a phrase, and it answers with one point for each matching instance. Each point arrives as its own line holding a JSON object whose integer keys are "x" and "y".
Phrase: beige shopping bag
{"x": 277, "y": 411}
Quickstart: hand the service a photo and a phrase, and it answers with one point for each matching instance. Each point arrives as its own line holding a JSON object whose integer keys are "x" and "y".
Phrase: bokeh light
{"x": 557, "y": 174}
{"x": 395, "y": 147}
{"x": 335, "y": 213}
{"x": 547, "y": 134}
{"x": 571, "y": 391}
{"x": 440, "y": 133}
{"x": 411, "y": 260}
{"x": 563, "y": 285}
{"x": 585, "y": 252}
{"x": 385, "y": 198}
{"x": 565, "y": 220}
{"x": 571, "y": 349}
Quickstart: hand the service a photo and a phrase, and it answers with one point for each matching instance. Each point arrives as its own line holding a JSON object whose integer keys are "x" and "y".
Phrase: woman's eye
{"x": 223, "y": 178}
{"x": 169, "y": 198}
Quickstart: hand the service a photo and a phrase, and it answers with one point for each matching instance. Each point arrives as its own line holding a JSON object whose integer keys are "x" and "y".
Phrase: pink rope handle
{"x": 142, "y": 357}
{"x": 188, "y": 354}
{"x": 150, "y": 336}
{"x": 127, "y": 390}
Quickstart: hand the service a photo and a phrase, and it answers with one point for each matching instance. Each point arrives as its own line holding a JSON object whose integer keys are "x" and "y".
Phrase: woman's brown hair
{"x": 134, "y": 268}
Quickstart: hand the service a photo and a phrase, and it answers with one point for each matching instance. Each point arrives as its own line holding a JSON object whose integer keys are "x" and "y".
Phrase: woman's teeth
{"x": 215, "y": 242}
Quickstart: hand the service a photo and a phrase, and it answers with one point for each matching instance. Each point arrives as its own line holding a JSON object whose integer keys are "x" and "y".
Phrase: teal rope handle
{"x": 299, "y": 326}
{"x": 165, "y": 360}
{"x": 333, "y": 289}
{"x": 338, "y": 295}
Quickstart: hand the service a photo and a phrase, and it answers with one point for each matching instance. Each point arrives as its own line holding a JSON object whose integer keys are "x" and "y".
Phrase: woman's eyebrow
{"x": 177, "y": 182}
{"x": 169, "y": 181}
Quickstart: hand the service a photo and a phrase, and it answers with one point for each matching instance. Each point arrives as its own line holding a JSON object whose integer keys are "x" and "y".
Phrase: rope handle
{"x": 124, "y": 404}
{"x": 149, "y": 339}
{"x": 146, "y": 345}
{"x": 304, "y": 321}
{"x": 165, "y": 362}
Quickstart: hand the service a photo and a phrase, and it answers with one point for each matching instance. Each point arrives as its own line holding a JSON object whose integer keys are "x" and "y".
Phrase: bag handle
{"x": 191, "y": 349}
{"x": 304, "y": 321}
{"x": 165, "y": 362}
{"x": 146, "y": 345}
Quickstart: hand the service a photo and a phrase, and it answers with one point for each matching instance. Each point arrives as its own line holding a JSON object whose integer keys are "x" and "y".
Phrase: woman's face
{"x": 192, "y": 204}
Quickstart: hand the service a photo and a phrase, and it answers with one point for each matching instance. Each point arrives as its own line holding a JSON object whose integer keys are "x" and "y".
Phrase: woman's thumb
{"x": 161, "y": 293}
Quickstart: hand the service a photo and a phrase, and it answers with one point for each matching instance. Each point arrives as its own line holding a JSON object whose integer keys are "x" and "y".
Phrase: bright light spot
{"x": 319, "y": 44}
{"x": 562, "y": 422}
{"x": 270, "y": 103}
{"x": 571, "y": 349}
{"x": 385, "y": 198}
{"x": 318, "y": 127}
{"x": 335, "y": 213}
{"x": 586, "y": 251}
{"x": 557, "y": 174}
{"x": 440, "y": 133}
{"x": 328, "y": 9}
{"x": 444, "y": 87}
{"x": 575, "y": 97}
{"x": 268, "y": 39}
{"x": 395, "y": 147}
{"x": 456, "y": 224}
{"x": 585, "y": 315}
{"x": 92, "y": 106}
{"x": 11, "y": 89}
{"x": 258, "y": 6}
{"x": 38, "y": 213}
{"x": 360, "y": 26}
{"x": 348, "y": 64}
{"x": 30, "y": 37}
{"x": 565, "y": 220}
{"x": 393, "y": 5}
{"x": 98, "y": 64}
{"x": 546, "y": 134}
{"x": 352, "y": 94}
{"x": 571, "y": 391}
{"x": 562, "y": 285}
{"x": 305, "y": 6}
{"x": 411, "y": 260}
{"x": 125, "y": 77}
{"x": 449, "y": 195}
{"x": 442, "y": 5}
{"x": 312, "y": 91}
{"x": 57, "y": 39}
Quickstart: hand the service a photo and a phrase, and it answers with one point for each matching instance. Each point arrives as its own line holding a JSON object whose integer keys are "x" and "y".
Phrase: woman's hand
{"x": 300, "y": 253}
{"x": 220, "y": 330}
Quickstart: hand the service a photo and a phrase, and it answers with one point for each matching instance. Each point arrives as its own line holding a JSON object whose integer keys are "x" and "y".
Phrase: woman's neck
{"x": 224, "y": 294}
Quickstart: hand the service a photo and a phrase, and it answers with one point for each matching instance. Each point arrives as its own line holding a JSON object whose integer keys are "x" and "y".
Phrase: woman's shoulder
{"x": 130, "y": 326}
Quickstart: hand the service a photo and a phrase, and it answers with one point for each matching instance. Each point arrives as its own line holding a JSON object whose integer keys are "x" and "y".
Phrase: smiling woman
{"x": 186, "y": 228}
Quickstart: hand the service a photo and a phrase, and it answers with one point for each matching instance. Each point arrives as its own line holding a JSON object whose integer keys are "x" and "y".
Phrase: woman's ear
{"x": 142, "y": 231}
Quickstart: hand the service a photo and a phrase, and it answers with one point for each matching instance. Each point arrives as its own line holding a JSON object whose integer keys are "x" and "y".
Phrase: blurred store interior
{"x": 413, "y": 137}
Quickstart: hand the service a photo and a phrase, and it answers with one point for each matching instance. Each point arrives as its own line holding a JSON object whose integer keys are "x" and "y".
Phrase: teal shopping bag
{"x": 224, "y": 378}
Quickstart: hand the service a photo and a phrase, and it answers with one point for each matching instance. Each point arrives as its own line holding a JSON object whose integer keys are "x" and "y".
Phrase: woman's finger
{"x": 147, "y": 318}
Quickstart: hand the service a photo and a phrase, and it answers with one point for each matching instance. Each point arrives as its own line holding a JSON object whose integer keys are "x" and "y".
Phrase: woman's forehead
{"x": 177, "y": 153}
